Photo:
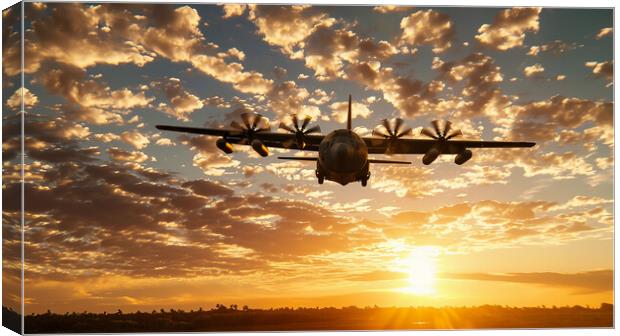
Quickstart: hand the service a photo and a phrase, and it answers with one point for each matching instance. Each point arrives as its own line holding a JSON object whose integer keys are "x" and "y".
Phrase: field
{"x": 232, "y": 318}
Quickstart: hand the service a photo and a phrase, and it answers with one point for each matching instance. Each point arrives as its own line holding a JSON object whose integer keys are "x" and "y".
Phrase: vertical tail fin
{"x": 349, "y": 115}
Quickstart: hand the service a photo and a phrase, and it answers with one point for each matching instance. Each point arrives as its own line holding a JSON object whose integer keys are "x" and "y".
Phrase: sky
{"x": 122, "y": 215}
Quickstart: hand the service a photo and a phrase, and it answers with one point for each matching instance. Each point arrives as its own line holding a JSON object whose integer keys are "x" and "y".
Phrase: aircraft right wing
{"x": 269, "y": 139}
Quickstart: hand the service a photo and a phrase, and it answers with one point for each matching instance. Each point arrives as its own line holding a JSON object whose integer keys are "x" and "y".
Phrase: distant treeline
{"x": 233, "y": 318}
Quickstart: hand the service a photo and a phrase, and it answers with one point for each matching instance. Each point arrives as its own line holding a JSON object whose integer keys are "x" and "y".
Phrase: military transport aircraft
{"x": 343, "y": 155}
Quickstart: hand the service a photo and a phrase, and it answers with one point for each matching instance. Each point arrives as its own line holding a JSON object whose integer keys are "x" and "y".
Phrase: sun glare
{"x": 422, "y": 268}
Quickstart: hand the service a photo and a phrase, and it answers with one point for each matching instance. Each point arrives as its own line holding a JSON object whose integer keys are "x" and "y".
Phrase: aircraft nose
{"x": 340, "y": 152}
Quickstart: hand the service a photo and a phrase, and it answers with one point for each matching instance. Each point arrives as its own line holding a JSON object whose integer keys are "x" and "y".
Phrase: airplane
{"x": 343, "y": 154}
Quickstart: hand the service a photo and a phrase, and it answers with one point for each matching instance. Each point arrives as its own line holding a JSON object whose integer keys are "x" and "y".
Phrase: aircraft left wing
{"x": 422, "y": 146}
{"x": 269, "y": 139}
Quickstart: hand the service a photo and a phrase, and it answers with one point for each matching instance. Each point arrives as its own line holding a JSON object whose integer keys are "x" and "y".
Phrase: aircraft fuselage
{"x": 343, "y": 158}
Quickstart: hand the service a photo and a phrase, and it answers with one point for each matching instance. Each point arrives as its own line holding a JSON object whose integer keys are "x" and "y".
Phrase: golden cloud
{"x": 232, "y": 10}
{"x": 428, "y": 27}
{"x": 118, "y": 154}
{"x": 604, "y": 32}
{"x": 602, "y": 69}
{"x": 29, "y": 99}
{"x": 533, "y": 70}
{"x": 286, "y": 26}
{"x": 391, "y": 9}
{"x": 135, "y": 138}
{"x": 339, "y": 111}
{"x": 508, "y": 28}
{"x": 556, "y": 47}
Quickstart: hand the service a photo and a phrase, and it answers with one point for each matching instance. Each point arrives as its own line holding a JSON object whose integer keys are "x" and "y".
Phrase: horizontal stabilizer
{"x": 300, "y": 158}
{"x": 388, "y": 161}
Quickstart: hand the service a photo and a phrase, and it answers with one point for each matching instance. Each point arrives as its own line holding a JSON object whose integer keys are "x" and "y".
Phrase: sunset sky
{"x": 121, "y": 215}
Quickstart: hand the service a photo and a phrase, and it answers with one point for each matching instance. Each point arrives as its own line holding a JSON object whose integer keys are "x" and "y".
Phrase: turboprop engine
{"x": 463, "y": 157}
{"x": 430, "y": 156}
{"x": 253, "y": 124}
{"x": 224, "y": 145}
{"x": 442, "y": 137}
{"x": 260, "y": 148}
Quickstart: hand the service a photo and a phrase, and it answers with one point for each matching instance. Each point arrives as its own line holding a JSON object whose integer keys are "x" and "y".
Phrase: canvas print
{"x": 241, "y": 167}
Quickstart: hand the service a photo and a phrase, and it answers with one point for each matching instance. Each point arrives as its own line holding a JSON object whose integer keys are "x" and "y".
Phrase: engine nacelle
{"x": 224, "y": 145}
{"x": 430, "y": 156}
{"x": 260, "y": 148}
{"x": 463, "y": 157}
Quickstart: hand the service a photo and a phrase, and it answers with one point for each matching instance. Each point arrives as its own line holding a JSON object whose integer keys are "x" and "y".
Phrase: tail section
{"x": 349, "y": 115}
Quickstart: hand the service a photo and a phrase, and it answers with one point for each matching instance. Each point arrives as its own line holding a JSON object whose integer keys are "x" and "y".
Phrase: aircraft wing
{"x": 269, "y": 139}
{"x": 422, "y": 146}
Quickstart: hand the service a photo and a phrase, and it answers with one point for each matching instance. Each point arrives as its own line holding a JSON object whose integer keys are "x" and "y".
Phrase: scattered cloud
{"x": 88, "y": 99}
{"x": 328, "y": 49}
{"x": 533, "y": 70}
{"x": 29, "y": 99}
{"x": 118, "y": 154}
{"x": 391, "y": 9}
{"x": 164, "y": 142}
{"x": 602, "y": 69}
{"x": 509, "y": 27}
{"x": 286, "y": 26}
{"x": 288, "y": 98}
{"x": 556, "y": 47}
{"x": 480, "y": 225}
{"x": 428, "y": 27}
{"x": 107, "y": 137}
{"x": 536, "y": 120}
{"x": 232, "y": 10}
{"x": 135, "y": 138}
{"x": 480, "y": 77}
{"x": 339, "y": 111}
{"x": 604, "y": 32}
{"x": 182, "y": 102}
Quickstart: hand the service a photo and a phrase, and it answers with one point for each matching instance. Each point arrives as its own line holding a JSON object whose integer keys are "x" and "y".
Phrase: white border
{"x": 470, "y": 3}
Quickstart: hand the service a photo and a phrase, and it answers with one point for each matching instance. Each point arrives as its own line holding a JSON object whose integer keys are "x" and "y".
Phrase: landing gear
{"x": 365, "y": 179}
{"x": 320, "y": 177}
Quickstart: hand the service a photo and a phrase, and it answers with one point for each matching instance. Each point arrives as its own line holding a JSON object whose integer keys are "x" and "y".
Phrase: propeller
{"x": 252, "y": 123}
{"x": 441, "y": 134}
{"x": 299, "y": 131}
{"x": 391, "y": 130}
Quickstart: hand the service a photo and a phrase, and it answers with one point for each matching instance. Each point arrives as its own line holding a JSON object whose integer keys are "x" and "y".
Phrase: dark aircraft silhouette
{"x": 343, "y": 155}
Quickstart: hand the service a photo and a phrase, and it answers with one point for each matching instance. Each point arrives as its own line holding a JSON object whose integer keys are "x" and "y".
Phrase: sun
{"x": 421, "y": 265}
